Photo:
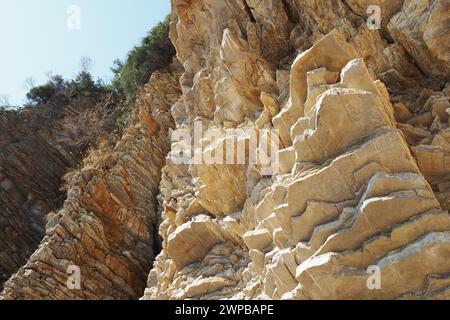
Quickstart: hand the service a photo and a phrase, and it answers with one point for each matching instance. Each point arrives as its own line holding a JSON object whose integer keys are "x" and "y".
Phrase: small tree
{"x": 84, "y": 84}
{"x": 54, "y": 91}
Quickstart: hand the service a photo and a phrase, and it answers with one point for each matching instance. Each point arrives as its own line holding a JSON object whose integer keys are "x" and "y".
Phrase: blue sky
{"x": 35, "y": 38}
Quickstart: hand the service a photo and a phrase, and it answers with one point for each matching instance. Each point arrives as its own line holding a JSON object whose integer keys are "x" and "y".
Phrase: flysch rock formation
{"x": 107, "y": 225}
{"x": 363, "y": 119}
{"x": 32, "y": 164}
{"x": 360, "y": 188}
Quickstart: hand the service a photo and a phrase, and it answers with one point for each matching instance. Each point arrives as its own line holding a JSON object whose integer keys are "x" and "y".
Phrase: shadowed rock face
{"x": 350, "y": 194}
{"x": 107, "y": 224}
{"x": 32, "y": 164}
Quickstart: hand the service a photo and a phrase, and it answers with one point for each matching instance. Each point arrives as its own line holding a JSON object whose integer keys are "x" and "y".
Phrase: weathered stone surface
{"x": 422, "y": 29}
{"x": 107, "y": 225}
{"x": 192, "y": 241}
{"x": 32, "y": 164}
{"x": 349, "y": 194}
{"x": 258, "y": 239}
{"x": 364, "y": 163}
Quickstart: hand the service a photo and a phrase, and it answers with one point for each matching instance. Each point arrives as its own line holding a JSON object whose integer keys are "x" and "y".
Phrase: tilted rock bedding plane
{"x": 361, "y": 118}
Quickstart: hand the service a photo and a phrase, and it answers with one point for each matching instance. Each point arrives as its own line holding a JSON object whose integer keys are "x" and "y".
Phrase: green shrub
{"x": 84, "y": 84}
{"x": 154, "y": 52}
{"x": 59, "y": 91}
{"x": 55, "y": 89}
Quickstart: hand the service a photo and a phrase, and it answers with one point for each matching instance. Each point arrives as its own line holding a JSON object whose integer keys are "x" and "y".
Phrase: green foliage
{"x": 154, "y": 52}
{"x": 60, "y": 91}
{"x": 55, "y": 89}
{"x": 84, "y": 84}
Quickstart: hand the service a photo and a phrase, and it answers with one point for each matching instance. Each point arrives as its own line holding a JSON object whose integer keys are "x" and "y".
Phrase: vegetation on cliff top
{"x": 155, "y": 51}
{"x": 90, "y": 108}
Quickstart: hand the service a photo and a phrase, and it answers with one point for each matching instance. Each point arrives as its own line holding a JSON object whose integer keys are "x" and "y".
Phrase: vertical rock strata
{"x": 107, "y": 225}
{"x": 363, "y": 178}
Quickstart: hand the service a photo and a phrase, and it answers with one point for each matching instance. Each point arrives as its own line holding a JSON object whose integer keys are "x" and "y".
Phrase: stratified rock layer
{"x": 32, "y": 164}
{"x": 107, "y": 226}
{"x": 349, "y": 197}
{"x": 354, "y": 205}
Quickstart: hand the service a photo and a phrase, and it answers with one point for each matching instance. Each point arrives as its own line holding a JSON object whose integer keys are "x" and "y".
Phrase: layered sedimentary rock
{"x": 362, "y": 182}
{"x": 32, "y": 164}
{"x": 38, "y": 145}
{"x": 350, "y": 202}
{"x": 105, "y": 233}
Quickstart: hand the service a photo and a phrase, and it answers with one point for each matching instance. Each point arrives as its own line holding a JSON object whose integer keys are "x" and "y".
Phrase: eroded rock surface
{"x": 362, "y": 117}
{"x": 32, "y": 164}
{"x": 107, "y": 225}
{"x": 362, "y": 182}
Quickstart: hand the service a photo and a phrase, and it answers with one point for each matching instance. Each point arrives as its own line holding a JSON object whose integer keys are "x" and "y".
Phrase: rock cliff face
{"x": 32, "y": 164}
{"x": 363, "y": 182}
{"x": 351, "y": 202}
{"x": 106, "y": 229}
